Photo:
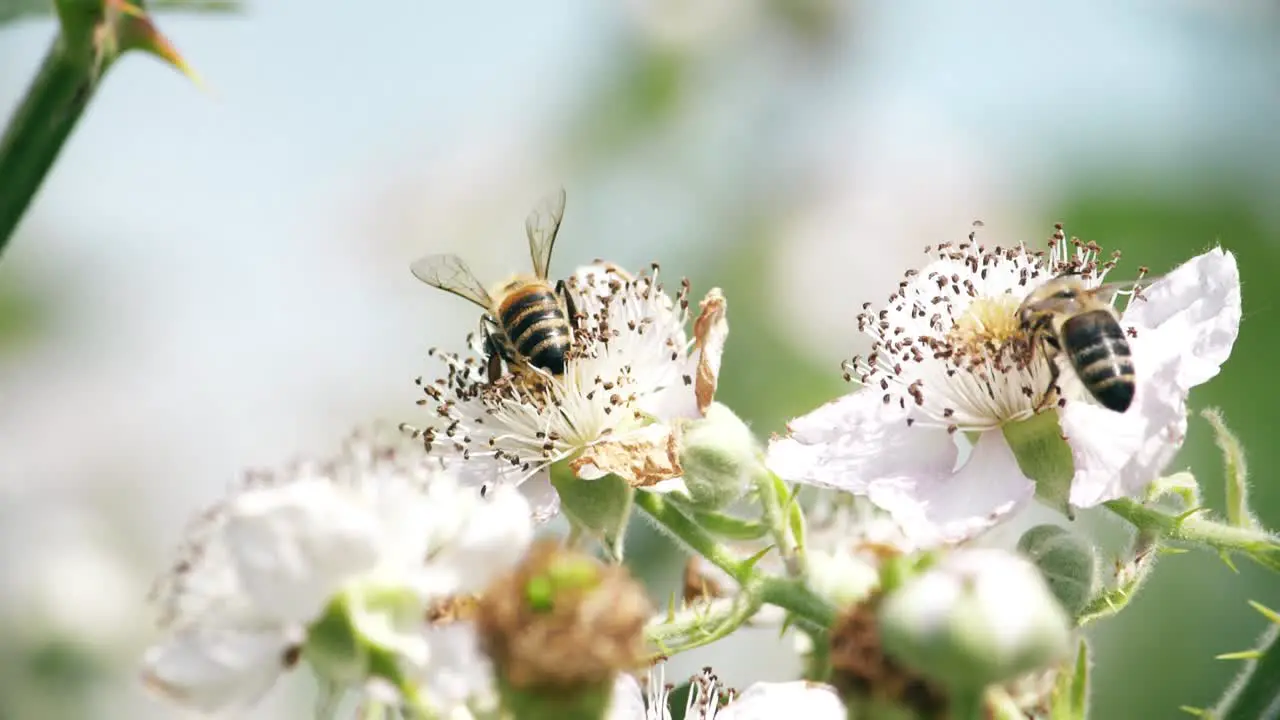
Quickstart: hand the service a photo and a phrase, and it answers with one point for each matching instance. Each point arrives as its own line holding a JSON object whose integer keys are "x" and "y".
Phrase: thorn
{"x": 1226, "y": 559}
{"x": 1242, "y": 655}
{"x": 1266, "y": 612}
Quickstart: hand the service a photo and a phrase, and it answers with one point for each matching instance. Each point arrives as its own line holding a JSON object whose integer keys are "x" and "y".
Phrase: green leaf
{"x": 601, "y": 508}
{"x": 1071, "y": 693}
{"x": 1044, "y": 456}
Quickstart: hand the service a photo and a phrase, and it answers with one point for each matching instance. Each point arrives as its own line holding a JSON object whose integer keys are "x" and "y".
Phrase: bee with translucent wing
{"x": 527, "y": 322}
{"x": 1068, "y": 318}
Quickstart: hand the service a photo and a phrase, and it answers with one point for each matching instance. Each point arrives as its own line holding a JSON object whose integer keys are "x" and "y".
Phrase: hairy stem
{"x": 701, "y": 624}
{"x": 786, "y": 593}
{"x": 1191, "y": 529}
{"x": 684, "y": 530}
{"x": 770, "y": 491}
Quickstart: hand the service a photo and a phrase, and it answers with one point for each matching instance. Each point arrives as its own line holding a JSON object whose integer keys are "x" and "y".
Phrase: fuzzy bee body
{"x": 1095, "y": 344}
{"x": 533, "y": 318}
{"x": 527, "y": 322}
{"x": 1078, "y": 322}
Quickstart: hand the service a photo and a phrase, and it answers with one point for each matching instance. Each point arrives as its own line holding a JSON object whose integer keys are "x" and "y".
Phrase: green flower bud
{"x": 1066, "y": 561}
{"x": 720, "y": 457}
{"x": 977, "y": 617}
{"x": 365, "y": 632}
{"x": 841, "y": 578}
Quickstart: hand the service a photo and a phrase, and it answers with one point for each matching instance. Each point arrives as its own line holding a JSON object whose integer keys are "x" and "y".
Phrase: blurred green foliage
{"x": 1159, "y": 653}
{"x": 11, "y": 10}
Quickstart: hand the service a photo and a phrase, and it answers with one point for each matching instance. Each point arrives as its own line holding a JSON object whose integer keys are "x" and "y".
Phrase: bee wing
{"x": 542, "y": 226}
{"x": 449, "y": 273}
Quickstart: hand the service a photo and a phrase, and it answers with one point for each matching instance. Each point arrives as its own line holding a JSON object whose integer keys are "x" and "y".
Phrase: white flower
{"x": 709, "y": 700}
{"x": 947, "y": 356}
{"x": 378, "y": 521}
{"x": 632, "y": 369}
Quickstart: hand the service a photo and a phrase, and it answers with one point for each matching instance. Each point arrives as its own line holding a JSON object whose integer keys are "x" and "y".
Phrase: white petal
{"x": 856, "y": 443}
{"x": 294, "y": 545}
{"x": 213, "y": 670}
{"x": 544, "y": 501}
{"x": 627, "y": 701}
{"x": 1186, "y": 324}
{"x": 1193, "y": 314}
{"x": 459, "y": 671}
{"x": 496, "y": 535}
{"x": 860, "y": 445}
{"x": 1118, "y": 455}
{"x": 953, "y": 507}
{"x": 780, "y": 701}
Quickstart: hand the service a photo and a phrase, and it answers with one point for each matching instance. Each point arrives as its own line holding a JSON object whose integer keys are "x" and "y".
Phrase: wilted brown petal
{"x": 710, "y": 331}
{"x": 642, "y": 459}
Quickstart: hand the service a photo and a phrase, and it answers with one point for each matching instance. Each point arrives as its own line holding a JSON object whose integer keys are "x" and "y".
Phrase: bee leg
{"x": 570, "y": 309}
{"x": 495, "y": 351}
{"x": 1052, "y": 391}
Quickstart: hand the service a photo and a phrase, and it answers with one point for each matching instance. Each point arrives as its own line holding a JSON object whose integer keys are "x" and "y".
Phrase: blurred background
{"x": 213, "y": 280}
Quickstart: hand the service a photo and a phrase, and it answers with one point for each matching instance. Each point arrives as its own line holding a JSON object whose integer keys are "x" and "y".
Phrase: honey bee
{"x": 527, "y": 319}
{"x": 1068, "y": 318}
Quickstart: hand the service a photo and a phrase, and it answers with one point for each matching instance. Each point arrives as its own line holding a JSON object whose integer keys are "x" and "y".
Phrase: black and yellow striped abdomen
{"x": 534, "y": 322}
{"x": 1096, "y": 345}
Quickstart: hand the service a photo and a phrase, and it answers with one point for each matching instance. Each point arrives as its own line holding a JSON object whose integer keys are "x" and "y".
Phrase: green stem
{"x": 730, "y": 527}
{"x": 679, "y": 526}
{"x": 702, "y": 624}
{"x": 786, "y": 593}
{"x": 968, "y": 704}
{"x": 796, "y": 598}
{"x": 40, "y": 126}
{"x": 767, "y": 488}
{"x": 1255, "y": 692}
{"x": 1191, "y": 529}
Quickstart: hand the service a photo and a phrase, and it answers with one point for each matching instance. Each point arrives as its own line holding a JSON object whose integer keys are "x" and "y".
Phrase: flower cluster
{"x": 632, "y": 370}
{"x": 405, "y": 569}
{"x": 950, "y": 364}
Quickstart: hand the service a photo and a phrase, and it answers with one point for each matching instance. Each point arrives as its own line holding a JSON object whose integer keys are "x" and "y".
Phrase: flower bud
{"x": 1066, "y": 561}
{"x": 559, "y": 628}
{"x": 978, "y": 617}
{"x": 720, "y": 457}
{"x": 366, "y": 632}
{"x": 841, "y": 578}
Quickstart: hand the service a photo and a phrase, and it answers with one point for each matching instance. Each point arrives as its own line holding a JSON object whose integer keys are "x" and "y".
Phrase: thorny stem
{"x": 41, "y": 125}
{"x": 702, "y": 624}
{"x": 1129, "y": 578}
{"x": 1255, "y": 692}
{"x": 671, "y": 519}
{"x": 1191, "y": 529}
{"x": 786, "y": 593}
{"x": 767, "y": 488}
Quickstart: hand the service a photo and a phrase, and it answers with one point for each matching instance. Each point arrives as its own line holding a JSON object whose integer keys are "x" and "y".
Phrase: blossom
{"x": 385, "y": 529}
{"x": 709, "y": 700}
{"x": 948, "y": 361}
{"x": 631, "y": 370}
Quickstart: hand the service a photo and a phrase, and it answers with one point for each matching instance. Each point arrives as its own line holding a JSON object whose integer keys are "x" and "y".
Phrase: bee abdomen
{"x": 1100, "y": 354}
{"x": 537, "y": 327}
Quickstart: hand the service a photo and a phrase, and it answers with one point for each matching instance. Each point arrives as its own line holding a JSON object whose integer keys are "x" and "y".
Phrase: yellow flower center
{"x": 987, "y": 321}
